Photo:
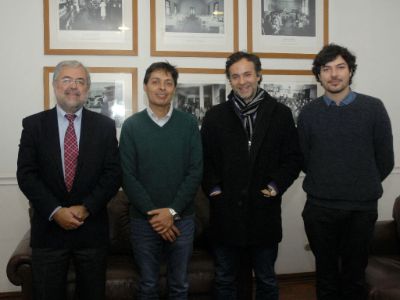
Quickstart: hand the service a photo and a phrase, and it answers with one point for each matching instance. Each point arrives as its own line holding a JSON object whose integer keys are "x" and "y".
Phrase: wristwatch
{"x": 174, "y": 214}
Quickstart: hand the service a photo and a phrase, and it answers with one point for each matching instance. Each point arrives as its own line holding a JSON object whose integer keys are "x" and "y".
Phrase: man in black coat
{"x": 251, "y": 157}
{"x": 68, "y": 168}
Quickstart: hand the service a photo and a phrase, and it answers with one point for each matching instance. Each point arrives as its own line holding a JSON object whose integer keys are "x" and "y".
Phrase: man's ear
{"x": 259, "y": 76}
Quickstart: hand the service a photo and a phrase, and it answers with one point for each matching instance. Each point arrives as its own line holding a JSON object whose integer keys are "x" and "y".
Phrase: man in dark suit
{"x": 68, "y": 168}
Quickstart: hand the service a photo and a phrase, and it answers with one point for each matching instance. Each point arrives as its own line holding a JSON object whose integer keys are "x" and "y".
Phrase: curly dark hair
{"x": 235, "y": 57}
{"x": 331, "y": 52}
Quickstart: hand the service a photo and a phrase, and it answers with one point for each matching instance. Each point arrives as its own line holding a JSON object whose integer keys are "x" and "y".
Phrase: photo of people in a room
{"x": 106, "y": 98}
{"x": 288, "y": 18}
{"x": 95, "y": 15}
{"x": 198, "y": 98}
{"x": 194, "y": 16}
{"x": 294, "y": 95}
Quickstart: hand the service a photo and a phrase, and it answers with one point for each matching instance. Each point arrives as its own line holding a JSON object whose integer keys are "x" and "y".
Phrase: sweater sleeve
{"x": 135, "y": 191}
{"x": 383, "y": 142}
{"x": 188, "y": 188}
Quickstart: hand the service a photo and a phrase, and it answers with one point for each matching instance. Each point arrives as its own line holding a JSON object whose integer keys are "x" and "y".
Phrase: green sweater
{"x": 162, "y": 166}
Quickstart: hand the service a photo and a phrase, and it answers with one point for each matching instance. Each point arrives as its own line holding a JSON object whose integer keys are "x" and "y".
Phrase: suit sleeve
{"x": 135, "y": 191}
{"x": 110, "y": 178}
{"x": 290, "y": 158}
{"x": 211, "y": 157}
{"x": 303, "y": 132}
{"x": 191, "y": 182}
{"x": 29, "y": 173}
{"x": 383, "y": 142}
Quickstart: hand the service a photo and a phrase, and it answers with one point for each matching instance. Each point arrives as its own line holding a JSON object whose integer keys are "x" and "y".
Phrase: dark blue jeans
{"x": 150, "y": 250}
{"x": 50, "y": 269}
{"x": 263, "y": 263}
{"x": 339, "y": 240}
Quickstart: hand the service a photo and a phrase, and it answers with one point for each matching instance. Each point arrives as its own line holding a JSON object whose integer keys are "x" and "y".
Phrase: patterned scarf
{"x": 248, "y": 111}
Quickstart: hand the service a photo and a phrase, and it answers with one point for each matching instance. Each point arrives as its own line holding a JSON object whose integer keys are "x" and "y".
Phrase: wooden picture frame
{"x": 119, "y": 85}
{"x": 90, "y": 29}
{"x": 179, "y": 31}
{"x": 289, "y": 32}
{"x": 294, "y": 88}
{"x": 199, "y": 89}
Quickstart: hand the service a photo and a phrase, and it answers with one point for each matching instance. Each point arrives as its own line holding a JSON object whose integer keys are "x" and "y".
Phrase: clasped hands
{"x": 163, "y": 223}
{"x": 72, "y": 217}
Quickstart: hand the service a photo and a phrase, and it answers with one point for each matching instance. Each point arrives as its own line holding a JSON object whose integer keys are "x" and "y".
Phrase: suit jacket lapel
{"x": 53, "y": 141}
{"x": 84, "y": 145}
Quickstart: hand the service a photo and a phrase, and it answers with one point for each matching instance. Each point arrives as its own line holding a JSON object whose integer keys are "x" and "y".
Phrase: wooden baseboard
{"x": 296, "y": 278}
{"x": 11, "y": 296}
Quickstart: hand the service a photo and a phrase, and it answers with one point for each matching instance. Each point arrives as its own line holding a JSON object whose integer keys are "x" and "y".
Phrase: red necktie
{"x": 70, "y": 152}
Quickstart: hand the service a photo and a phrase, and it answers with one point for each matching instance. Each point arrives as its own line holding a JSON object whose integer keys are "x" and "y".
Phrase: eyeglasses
{"x": 68, "y": 81}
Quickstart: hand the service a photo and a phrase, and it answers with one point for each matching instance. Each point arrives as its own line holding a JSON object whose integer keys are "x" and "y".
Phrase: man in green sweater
{"x": 347, "y": 142}
{"x": 161, "y": 157}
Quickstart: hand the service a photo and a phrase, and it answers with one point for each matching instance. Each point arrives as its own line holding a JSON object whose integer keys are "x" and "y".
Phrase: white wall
{"x": 368, "y": 27}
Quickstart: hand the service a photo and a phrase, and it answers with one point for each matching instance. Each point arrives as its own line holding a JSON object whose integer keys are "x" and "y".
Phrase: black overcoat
{"x": 241, "y": 215}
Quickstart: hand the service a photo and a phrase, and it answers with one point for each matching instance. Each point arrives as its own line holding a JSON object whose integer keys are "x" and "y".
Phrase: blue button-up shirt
{"x": 346, "y": 101}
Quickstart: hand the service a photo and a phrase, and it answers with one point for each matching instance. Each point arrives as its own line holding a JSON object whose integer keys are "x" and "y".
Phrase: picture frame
{"x": 194, "y": 94}
{"x": 93, "y": 28}
{"x": 177, "y": 28}
{"x": 288, "y": 29}
{"x": 294, "y": 88}
{"x": 198, "y": 90}
{"x": 113, "y": 92}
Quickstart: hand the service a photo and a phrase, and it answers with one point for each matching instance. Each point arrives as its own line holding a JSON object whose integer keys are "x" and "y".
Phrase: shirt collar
{"x": 154, "y": 116}
{"x": 61, "y": 113}
{"x": 346, "y": 101}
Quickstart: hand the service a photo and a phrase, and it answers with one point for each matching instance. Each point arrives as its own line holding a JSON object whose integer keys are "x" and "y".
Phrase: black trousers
{"x": 339, "y": 240}
{"x": 50, "y": 269}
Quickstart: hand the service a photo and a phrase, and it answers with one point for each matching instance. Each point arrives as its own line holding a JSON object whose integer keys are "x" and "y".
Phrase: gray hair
{"x": 71, "y": 64}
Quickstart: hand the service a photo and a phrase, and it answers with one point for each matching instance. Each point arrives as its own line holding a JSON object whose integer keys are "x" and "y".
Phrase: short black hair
{"x": 331, "y": 52}
{"x": 235, "y": 57}
{"x": 165, "y": 66}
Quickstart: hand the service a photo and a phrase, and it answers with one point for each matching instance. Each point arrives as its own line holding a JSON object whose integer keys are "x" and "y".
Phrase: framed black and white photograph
{"x": 194, "y": 27}
{"x": 106, "y": 27}
{"x": 287, "y": 29}
{"x": 198, "y": 90}
{"x": 113, "y": 92}
{"x": 294, "y": 88}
